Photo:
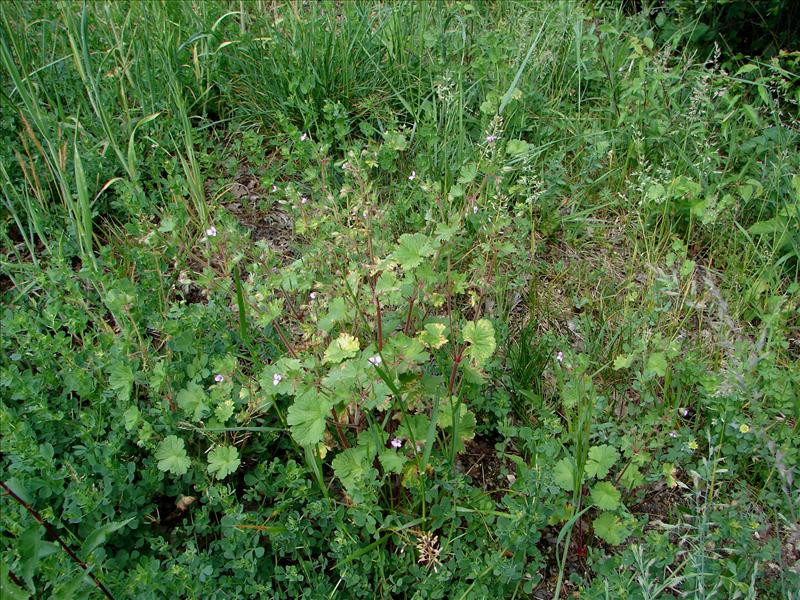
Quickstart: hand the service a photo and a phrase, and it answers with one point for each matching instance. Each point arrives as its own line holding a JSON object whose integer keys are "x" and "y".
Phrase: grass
{"x": 471, "y": 300}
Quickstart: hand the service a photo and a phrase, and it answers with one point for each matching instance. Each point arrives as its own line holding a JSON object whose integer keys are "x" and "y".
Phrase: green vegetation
{"x": 396, "y": 300}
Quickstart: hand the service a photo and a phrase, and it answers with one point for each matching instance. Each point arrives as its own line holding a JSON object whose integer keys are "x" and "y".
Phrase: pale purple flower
{"x": 475, "y": 209}
{"x": 491, "y": 139}
{"x": 211, "y": 231}
{"x": 684, "y": 412}
{"x": 397, "y": 443}
{"x": 312, "y": 296}
{"x": 673, "y": 434}
{"x": 219, "y": 378}
{"x": 274, "y": 188}
{"x": 560, "y": 356}
{"x": 375, "y": 360}
{"x": 303, "y": 200}
{"x": 304, "y": 137}
{"x": 276, "y": 379}
{"x": 413, "y": 176}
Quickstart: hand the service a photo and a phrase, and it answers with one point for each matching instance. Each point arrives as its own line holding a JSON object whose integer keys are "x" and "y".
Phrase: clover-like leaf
{"x": 433, "y": 335}
{"x": 171, "y": 456}
{"x": 605, "y": 496}
{"x": 564, "y": 474}
{"x": 343, "y": 347}
{"x": 222, "y": 461}
{"x": 610, "y": 528}
{"x": 480, "y": 337}
{"x": 412, "y": 249}
{"x": 307, "y": 417}
{"x": 601, "y": 459}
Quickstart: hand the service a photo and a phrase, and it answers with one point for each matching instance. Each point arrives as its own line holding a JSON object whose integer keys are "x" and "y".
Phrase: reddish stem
{"x": 57, "y": 537}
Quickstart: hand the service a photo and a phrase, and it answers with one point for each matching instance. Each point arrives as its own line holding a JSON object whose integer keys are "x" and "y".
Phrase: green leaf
{"x": 10, "y": 589}
{"x": 392, "y": 460}
{"x": 412, "y": 249}
{"x": 657, "y": 364}
{"x": 222, "y": 461}
{"x": 307, "y": 417}
{"x": 337, "y": 313}
{"x": 99, "y": 536}
{"x": 610, "y": 528}
{"x": 130, "y": 417}
{"x": 605, "y": 496}
{"x": 120, "y": 378}
{"x": 480, "y": 337}
{"x": 601, "y": 459}
{"x": 192, "y": 400}
{"x": 351, "y": 466}
{"x": 343, "y": 347}
{"x": 516, "y": 147}
{"x": 623, "y": 361}
{"x": 171, "y": 456}
{"x": 564, "y": 474}
{"x": 433, "y": 335}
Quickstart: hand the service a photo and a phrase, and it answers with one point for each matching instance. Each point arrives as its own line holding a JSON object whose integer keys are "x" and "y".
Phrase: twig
{"x": 60, "y": 541}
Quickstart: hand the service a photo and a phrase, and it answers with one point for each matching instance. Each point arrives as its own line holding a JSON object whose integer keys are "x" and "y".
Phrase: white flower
{"x": 673, "y": 434}
{"x": 560, "y": 356}
{"x": 304, "y": 137}
{"x": 475, "y": 209}
{"x": 211, "y": 231}
{"x": 303, "y": 200}
{"x": 312, "y": 296}
{"x": 375, "y": 360}
{"x": 274, "y": 188}
{"x": 397, "y": 443}
{"x": 276, "y": 379}
{"x": 413, "y": 176}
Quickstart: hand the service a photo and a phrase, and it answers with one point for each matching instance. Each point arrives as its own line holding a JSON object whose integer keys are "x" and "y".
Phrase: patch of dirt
{"x": 487, "y": 468}
{"x": 273, "y": 226}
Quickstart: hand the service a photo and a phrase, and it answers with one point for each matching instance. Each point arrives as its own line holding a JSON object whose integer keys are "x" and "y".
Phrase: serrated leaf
{"x": 120, "y": 379}
{"x": 342, "y": 348}
{"x": 171, "y": 456}
{"x": 392, "y": 460}
{"x": 480, "y": 337}
{"x": 601, "y": 459}
{"x": 412, "y": 249}
{"x": 307, "y": 418}
{"x": 657, "y": 364}
{"x": 351, "y": 466}
{"x": 433, "y": 335}
{"x": 222, "y": 461}
{"x": 605, "y": 496}
{"x": 130, "y": 417}
{"x": 610, "y": 528}
{"x": 623, "y": 361}
{"x": 564, "y": 474}
{"x": 193, "y": 401}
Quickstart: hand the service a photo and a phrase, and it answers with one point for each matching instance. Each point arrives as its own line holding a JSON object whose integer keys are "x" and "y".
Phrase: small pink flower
{"x": 375, "y": 360}
{"x": 312, "y": 296}
{"x": 397, "y": 443}
{"x": 303, "y": 200}
{"x": 560, "y": 356}
{"x": 274, "y": 188}
{"x": 673, "y": 434}
{"x": 304, "y": 137}
{"x": 276, "y": 379}
{"x": 491, "y": 139}
{"x": 413, "y": 176}
{"x": 219, "y": 378}
{"x": 211, "y": 231}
